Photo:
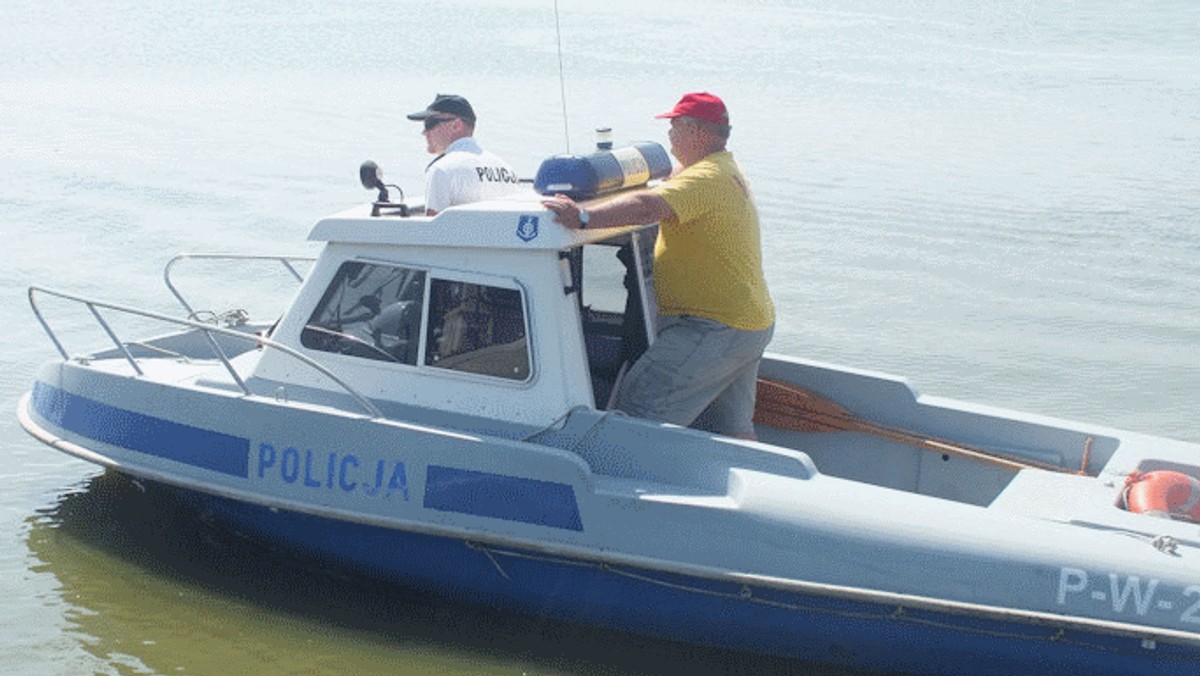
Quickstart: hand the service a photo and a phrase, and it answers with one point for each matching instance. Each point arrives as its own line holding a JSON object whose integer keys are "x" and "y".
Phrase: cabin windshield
{"x": 416, "y": 317}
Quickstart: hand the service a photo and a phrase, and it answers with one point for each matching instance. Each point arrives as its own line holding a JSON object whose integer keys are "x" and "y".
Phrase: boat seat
{"x": 604, "y": 353}
{"x": 1056, "y": 496}
{"x": 604, "y": 361}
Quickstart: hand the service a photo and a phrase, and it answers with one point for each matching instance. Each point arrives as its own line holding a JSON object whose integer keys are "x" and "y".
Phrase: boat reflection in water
{"x": 152, "y": 586}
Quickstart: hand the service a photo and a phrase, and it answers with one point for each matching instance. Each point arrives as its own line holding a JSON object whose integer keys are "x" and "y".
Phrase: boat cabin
{"x": 489, "y": 310}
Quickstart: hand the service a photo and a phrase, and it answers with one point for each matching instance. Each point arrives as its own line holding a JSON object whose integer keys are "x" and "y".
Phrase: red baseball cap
{"x": 700, "y": 105}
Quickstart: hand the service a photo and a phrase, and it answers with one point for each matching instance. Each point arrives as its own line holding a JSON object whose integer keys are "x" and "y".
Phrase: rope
{"x": 1165, "y": 544}
{"x": 476, "y": 546}
{"x": 236, "y": 317}
{"x": 745, "y": 593}
{"x": 559, "y": 423}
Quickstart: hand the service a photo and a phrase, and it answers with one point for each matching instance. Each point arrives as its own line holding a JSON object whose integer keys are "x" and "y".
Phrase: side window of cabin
{"x": 477, "y": 328}
{"x": 371, "y": 311}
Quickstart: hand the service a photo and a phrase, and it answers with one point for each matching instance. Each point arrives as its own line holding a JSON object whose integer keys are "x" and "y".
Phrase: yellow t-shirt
{"x": 708, "y": 259}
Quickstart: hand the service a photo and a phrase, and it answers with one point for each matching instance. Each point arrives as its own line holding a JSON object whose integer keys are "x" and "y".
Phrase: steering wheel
{"x": 353, "y": 341}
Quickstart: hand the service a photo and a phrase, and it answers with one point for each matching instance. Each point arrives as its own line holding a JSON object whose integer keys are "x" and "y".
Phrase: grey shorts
{"x": 697, "y": 371}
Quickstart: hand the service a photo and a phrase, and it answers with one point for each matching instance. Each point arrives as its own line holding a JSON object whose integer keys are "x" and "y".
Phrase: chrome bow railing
{"x": 209, "y": 331}
{"x": 288, "y": 263}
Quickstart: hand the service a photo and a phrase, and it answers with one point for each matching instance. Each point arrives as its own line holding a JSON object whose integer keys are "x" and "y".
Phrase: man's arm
{"x": 635, "y": 208}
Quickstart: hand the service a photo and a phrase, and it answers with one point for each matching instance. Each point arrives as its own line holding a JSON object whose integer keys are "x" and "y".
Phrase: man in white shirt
{"x": 462, "y": 171}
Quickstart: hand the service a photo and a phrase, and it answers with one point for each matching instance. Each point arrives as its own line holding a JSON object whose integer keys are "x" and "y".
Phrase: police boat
{"x": 432, "y": 408}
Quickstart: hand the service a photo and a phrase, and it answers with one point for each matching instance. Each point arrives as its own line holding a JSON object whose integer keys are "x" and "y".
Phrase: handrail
{"x": 286, "y": 261}
{"x": 208, "y": 329}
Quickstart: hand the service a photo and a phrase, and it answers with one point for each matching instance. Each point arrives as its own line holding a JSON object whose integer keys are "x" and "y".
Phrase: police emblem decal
{"x": 527, "y": 227}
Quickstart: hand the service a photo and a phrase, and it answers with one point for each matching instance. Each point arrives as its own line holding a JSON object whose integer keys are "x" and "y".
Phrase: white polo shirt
{"x": 467, "y": 173}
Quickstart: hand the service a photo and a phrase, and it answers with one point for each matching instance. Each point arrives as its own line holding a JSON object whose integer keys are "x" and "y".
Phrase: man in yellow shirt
{"x": 715, "y": 313}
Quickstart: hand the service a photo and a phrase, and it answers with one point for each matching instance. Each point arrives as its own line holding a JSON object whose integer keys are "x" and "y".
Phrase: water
{"x": 1001, "y": 203}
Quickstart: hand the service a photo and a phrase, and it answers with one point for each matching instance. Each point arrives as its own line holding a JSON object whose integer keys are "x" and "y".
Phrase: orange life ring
{"x": 1163, "y": 493}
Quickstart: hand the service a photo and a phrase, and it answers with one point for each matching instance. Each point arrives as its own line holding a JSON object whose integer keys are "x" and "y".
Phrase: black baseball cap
{"x": 446, "y": 104}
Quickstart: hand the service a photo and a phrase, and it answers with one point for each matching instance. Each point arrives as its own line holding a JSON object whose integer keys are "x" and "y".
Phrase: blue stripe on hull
{"x": 543, "y": 503}
{"x": 498, "y": 496}
{"x": 142, "y": 433}
{"x": 811, "y": 628}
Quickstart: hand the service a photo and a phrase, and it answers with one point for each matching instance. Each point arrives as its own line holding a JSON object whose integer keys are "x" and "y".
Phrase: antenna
{"x": 562, "y": 82}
